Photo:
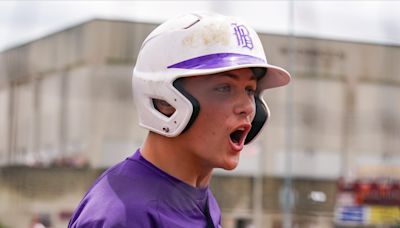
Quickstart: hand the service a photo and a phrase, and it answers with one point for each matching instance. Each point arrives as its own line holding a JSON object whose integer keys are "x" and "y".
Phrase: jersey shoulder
{"x": 124, "y": 194}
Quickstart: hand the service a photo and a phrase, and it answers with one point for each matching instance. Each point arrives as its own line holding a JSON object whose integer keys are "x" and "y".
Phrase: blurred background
{"x": 328, "y": 157}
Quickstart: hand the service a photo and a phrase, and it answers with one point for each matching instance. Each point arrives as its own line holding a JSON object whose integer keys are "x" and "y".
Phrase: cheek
{"x": 216, "y": 113}
{"x": 213, "y": 133}
{"x": 212, "y": 118}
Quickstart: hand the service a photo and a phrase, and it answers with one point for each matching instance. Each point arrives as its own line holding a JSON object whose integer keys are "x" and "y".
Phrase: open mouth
{"x": 238, "y": 136}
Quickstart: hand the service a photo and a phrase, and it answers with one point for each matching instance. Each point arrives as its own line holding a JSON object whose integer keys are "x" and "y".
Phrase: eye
{"x": 223, "y": 88}
{"x": 250, "y": 91}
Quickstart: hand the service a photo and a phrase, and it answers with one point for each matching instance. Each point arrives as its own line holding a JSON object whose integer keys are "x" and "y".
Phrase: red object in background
{"x": 384, "y": 194}
{"x": 363, "y": 188}
{"x": 378, "y": 192}
{"x": 372, "y": 192}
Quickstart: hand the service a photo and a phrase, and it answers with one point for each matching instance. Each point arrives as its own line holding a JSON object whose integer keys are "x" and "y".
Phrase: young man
{"x": 197, "y": 85}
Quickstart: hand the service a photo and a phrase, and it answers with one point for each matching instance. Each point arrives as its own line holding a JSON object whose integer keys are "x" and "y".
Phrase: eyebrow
{"x": 235, "y": 76}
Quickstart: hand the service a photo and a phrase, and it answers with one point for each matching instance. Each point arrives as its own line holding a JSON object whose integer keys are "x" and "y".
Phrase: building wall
{"x": 26, "y": 193}
{"x": 72, "y": 97}
{"x": 342, "y": 113}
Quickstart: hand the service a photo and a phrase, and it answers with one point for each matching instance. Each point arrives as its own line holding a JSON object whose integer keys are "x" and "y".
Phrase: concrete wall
{"x": 343, "y": 109}
{"x": 26, "y": 193}
{"x": 72, "y": 97}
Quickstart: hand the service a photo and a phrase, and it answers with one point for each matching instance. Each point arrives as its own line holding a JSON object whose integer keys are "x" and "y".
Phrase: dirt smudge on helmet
{"x": 211, "y": 34}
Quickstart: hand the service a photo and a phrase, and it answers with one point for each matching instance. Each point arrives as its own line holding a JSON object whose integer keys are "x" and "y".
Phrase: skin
{"x": 226, "y": 103}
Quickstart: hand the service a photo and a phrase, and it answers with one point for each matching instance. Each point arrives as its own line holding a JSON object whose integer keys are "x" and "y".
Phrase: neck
{"x": 173, "y": 157}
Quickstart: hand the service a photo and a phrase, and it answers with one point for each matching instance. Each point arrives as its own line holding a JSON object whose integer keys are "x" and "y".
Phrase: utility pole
{"x": 287, "y": 193}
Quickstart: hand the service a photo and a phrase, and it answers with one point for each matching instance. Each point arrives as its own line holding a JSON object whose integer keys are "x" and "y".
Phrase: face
{"x": 227, "y": 108}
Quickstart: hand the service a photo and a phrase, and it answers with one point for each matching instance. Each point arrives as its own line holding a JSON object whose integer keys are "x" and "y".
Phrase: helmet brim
{"x": 221, "y": 62}
{"x": 275, "y": 77}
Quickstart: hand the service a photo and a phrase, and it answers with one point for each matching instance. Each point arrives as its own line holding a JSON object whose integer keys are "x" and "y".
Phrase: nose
{"x": 245, "y": 106}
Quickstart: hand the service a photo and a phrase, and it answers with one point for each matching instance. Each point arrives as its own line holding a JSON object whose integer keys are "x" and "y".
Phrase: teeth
{"x": 241, "y": 129}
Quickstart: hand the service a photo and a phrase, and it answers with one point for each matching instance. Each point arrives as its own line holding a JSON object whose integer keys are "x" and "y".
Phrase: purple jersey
{"x": 135, "y": 193}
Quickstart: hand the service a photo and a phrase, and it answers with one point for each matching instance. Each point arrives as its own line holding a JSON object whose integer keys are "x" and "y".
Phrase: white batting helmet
{"x": 191, "y": 45}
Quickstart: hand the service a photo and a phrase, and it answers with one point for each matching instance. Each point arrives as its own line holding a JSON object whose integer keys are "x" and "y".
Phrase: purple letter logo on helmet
{"x": 243, "y": 36}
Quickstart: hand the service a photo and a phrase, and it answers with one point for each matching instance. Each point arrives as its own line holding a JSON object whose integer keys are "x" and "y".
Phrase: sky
{"x": 362, "y": 21}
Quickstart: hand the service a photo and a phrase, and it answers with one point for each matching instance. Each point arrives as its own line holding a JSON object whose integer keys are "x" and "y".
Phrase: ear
{"x": 163, "y": 107}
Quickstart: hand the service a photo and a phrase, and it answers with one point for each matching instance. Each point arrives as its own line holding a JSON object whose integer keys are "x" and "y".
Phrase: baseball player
{"x": 197, "y": 85}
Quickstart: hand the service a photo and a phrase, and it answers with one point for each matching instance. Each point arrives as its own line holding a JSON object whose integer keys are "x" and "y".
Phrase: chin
{"x": 230, "y": 168}
{"x": 231, "y": 165}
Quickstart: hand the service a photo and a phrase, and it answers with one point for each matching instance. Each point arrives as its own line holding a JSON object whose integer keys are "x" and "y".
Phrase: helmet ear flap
{"x": 195, "y": 103}
{"x": 259, "y": 120}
